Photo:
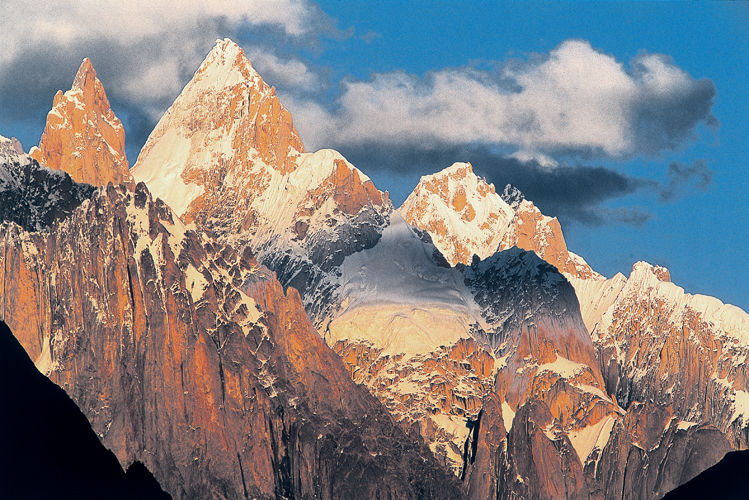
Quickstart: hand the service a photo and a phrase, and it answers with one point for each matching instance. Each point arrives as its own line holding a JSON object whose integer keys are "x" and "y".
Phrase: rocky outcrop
{"x": 531, "y": 230}
{"x": 44, "y": 435}
{"x": 35, "y": 197}
{"x": 191, "y": 358}
{"x": 83, "y": 137}
{"x": 651, "y": 452}
{"x": 434, "y": 394}
{"x": 460, "y": 211}
{"x": 465, "y": 217}
{"x": 656, "y": 343}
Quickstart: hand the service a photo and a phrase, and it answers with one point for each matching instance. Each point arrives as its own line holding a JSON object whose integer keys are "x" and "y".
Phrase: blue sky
{"x": 627, "y": 120}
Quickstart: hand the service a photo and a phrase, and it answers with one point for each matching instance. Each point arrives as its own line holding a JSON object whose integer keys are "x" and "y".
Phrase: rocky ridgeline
{"x": 179, "y": 348}
{"x": 83, "y": 136}
{"x": 190, "y": 358}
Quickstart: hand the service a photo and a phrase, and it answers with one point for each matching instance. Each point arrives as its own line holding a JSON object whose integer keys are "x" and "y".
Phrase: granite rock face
{"x": 191, "y": 358}
{"x": 465, "y": 216}
{"x": 657, "y": 343}
{"x": 83, "y": 136}
{"x": 47, "y": 446}
{"x": 226, "y": 156}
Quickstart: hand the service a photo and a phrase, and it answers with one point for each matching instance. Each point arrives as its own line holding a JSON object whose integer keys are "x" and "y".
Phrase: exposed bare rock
{"x": 436, "y": 393}
{"x": 465, "y": 217}
{"x": 83, "y": 137}
{"x": 226, "y": 157}
{"x": 460, "y": 211}
{"x": 225, "y": 120}
{"x": 36, "y": 197}
{"x": 657, "y": 343}
{"x": 531, "y": 230}
{"x": 651, "y": 452}
{"x": 192, "y": 359}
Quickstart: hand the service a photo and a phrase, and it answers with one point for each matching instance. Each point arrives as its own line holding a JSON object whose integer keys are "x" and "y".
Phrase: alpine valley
{"x": 247, "y": 319}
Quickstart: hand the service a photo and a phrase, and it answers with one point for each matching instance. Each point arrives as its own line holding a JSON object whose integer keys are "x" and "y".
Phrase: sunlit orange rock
{"x": 83, "y": 136}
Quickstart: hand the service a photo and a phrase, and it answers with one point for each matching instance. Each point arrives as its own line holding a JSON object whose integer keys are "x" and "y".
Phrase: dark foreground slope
{"x": 47, "y": 447}
{"x": 726, "y": 480}
{"x": 191, "y": 358}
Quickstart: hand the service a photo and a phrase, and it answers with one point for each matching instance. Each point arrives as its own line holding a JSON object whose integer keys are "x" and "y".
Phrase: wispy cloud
{"x": 682, "y": 178}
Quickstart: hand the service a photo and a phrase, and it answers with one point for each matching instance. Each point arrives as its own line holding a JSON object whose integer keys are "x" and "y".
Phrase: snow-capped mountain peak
{"x": 465, "y": 217}
{"x": 225, "y": 122}
{"x": 226, "y": 66}
{"x": 462, "y": 213}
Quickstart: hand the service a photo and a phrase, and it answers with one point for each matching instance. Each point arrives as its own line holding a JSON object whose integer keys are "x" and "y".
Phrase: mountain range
{"x": 251, "y": 320}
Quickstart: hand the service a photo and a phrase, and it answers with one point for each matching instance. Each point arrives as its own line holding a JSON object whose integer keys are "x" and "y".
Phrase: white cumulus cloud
{"x": 576, "y": 99}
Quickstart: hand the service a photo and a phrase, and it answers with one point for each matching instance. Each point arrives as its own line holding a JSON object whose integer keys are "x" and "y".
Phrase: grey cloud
{"x": 682, "y": 177}
{"x": 575, "y": 194}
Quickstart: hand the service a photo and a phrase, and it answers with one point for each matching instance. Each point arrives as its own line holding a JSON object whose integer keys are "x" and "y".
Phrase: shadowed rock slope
{"x": 190, "y": 358}
{"x": 47, "y": 447}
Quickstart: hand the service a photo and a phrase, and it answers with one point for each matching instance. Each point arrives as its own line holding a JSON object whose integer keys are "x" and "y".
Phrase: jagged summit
{"x": 226, "y": 65}
{"x": 462, "y": 213}
{"x": 227, "y": 158}
{"x": 83, "y": 136}
{"x": 225, "y": 122}
{"x": 465, "y": 217}
{"x": 512, "y": 196}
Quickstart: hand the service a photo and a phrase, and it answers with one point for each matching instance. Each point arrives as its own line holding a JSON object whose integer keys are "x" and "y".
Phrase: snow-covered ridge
{"x": 396, "y": 296}
{"x": 461, "y": 212}
{"x": 225, "y": 121}
{"x": 465, "y": 216}
{"x": 34, "y": 196}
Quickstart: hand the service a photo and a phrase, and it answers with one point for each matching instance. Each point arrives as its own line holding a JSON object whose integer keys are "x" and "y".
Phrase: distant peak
{"x": 658, "y": 271}
{"x": 512, "y": 196}
{"x": 86, "y": 73}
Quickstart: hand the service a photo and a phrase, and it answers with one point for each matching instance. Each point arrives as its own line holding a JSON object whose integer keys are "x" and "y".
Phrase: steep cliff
{"x": 43, "y": 434}
{"x": 83, "y": 137}
{"x": 191, "y": 358}
{"x": 657, "y": 343}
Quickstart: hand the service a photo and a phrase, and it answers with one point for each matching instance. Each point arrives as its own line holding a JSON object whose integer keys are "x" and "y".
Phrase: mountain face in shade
{"x": 35, "y": 197}
{"x": 47, "y": 446}
{"x": 726, "y": 480}
{"x": 465, "y": 217}
{"x": 83, "y": 137}
{"x": 190, "y": 358}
